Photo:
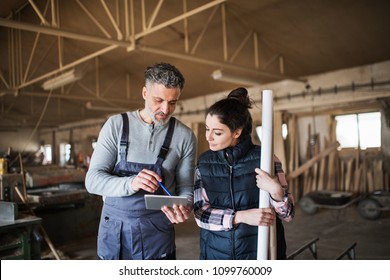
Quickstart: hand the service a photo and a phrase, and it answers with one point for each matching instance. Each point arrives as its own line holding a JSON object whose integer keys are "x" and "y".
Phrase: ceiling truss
{"x": 44, "y": 38}
{"x": 18, "y": 81}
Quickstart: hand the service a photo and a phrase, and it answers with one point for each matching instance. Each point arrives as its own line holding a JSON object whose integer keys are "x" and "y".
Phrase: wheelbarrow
{"x": 311, "y": 202}
{"x": 373, "y": 205}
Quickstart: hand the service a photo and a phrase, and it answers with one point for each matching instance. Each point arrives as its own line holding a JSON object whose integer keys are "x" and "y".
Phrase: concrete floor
{"x": 336, "y": 230}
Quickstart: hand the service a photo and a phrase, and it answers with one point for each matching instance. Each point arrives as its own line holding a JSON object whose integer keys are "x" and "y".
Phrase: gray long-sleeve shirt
{"x": 145, "y": 141}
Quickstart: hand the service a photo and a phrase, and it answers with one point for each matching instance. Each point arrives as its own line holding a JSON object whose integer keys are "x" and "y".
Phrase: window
{"x": 65, "y": 150}
{"x": 359, "y": 130}
{"x": 284, "y": 131}
{"x": 94, "y": 143}
{"x": 259, "y": 131}
{"x": 47, "y": 151}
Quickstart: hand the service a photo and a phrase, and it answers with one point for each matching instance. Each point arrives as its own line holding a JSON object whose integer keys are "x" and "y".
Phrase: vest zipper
{"x": 231, "y": 186}
{"x": 233, "y": 206}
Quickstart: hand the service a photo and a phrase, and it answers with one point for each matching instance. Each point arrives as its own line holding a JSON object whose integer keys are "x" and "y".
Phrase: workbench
{"x": 20, "y": 239}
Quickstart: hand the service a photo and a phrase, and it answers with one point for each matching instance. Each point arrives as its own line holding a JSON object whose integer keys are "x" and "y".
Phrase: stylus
{"x": 165, "y": 190}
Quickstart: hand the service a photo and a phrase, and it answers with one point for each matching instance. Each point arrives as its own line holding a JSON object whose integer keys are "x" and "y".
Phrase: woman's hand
{"x": 255, "y": 217}
{"x": 269, "y": 184}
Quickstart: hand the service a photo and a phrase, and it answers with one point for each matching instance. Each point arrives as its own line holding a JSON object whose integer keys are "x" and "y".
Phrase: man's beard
{"x": 153, "y": 117}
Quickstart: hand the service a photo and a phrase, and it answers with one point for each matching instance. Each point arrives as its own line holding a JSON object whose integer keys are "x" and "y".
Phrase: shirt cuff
{"x": 227, "y": 221}
{"x": 129, "y": 183}
{"x": 285, "y": 197}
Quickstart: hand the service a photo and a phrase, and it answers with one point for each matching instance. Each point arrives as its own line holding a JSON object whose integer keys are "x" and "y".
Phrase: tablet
{"x": 155, "y": 202}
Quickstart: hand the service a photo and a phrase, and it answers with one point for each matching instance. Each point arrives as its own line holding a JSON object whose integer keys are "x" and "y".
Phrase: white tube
{"x": 267, "y": 165}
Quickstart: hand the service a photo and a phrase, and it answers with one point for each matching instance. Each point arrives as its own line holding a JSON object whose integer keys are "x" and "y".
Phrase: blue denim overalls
{"x": 127, "y": 229}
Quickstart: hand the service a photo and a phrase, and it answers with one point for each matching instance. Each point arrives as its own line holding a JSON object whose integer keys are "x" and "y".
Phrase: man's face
{"x": 160, "y": 102}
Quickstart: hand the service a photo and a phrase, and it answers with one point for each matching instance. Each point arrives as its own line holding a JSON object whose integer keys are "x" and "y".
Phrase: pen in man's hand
{"x": 165, "y": 190}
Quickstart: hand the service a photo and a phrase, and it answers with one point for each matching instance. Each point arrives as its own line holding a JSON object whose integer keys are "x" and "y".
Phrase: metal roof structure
{"x": 107, "y": 45}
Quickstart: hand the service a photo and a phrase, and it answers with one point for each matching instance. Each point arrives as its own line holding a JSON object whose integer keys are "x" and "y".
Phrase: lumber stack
{"x": 332, "y": 169}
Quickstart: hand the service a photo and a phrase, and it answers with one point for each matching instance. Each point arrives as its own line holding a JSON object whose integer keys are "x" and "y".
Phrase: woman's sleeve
{"x": 285, "y": 208}
{"x": 206, "y": 216}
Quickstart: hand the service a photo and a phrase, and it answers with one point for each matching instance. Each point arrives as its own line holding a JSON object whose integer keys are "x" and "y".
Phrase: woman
{"x": 227, "y": 186}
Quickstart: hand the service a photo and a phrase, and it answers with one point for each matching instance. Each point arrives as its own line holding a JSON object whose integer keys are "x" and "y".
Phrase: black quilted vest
{"x": 230, "y": 181}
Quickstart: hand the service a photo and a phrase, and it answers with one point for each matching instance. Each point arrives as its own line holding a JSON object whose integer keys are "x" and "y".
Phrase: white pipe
{"x": 266, "y": 164}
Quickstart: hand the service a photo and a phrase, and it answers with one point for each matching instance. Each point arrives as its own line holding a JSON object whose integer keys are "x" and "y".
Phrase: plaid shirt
{"x": 217, "y": 219}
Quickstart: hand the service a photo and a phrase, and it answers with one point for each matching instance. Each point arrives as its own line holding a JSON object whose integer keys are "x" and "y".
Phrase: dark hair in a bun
{"x": 233, "y": 111}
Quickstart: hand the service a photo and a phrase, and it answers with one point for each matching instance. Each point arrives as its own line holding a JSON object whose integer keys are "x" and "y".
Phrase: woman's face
{"x": 219, "y": 135}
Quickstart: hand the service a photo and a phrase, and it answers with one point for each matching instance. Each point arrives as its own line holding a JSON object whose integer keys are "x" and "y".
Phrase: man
{"x": 135, "y": 151}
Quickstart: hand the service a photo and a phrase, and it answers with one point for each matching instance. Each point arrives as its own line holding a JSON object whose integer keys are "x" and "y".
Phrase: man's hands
{"x": 178, "y": 213}
{"x": 146, "y": 180}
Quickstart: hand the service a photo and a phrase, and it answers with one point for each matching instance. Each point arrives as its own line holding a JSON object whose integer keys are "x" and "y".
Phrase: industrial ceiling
{"x": 108, "y": 44}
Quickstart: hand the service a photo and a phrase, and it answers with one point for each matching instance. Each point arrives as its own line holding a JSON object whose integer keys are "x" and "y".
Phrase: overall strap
{"x": 124, "y": 138}
{"x": 167, "y": 141}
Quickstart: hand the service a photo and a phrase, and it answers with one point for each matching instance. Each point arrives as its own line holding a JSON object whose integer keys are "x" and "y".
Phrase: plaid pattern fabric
{"x": 216, "y": 219}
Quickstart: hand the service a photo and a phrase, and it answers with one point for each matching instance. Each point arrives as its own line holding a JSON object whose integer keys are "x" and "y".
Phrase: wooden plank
{"x": 370, "y": 181}
{"x": 299, "y": 187}
{"x": 278, "y": 139}
{"x": 348, "y": 175}
{"x": 341, "y": 185}
{"x": 315, "y": 147}
{"x": 314, "y": 173}
{"x": 331, "y": 171}
{"x": 323, "y": 179}
{"x": 364, "y": 185}
{"x": 378, "y": 174}
{"x": 312, "y": 161}
{"x": 321, "y": 176}
{"x": 307, "y": 182}
{"x": 292, "y": 140}
{"x": 357, "y": 181}
{"x": 293, "y": 158}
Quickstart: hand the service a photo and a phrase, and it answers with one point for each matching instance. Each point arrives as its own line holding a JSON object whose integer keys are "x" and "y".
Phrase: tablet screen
{"x": 155, "y": 202}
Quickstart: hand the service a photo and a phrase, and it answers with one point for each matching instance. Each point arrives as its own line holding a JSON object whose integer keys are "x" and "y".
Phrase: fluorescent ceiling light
{"x": 219, "y": 76}
{"x": 62, "y": 80}
{"x": 10, "y": 92}
{"x": 90, "y": 106}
